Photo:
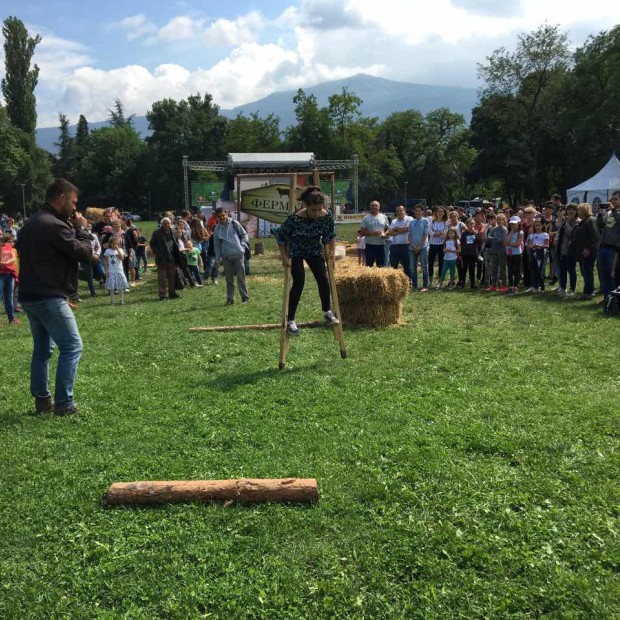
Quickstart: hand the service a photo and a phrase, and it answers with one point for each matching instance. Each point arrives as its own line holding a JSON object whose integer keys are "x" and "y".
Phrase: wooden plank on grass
{"x": 237, "y": 490}
{"x": 233, "y": 328}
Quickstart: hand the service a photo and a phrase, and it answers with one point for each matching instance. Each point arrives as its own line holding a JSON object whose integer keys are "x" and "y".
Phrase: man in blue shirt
{"x": 418, "y": 245}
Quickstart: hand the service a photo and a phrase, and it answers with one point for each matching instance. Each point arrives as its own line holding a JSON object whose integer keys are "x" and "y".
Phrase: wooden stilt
{"x": 284, "y": 336}
{"x": 338, "y": 331}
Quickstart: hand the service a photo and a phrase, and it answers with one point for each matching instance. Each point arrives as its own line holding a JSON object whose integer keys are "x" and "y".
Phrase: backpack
{"x": 247, "y": 252}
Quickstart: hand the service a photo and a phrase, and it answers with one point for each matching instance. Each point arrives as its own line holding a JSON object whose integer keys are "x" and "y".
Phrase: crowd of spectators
{"x": 530, "y": 248}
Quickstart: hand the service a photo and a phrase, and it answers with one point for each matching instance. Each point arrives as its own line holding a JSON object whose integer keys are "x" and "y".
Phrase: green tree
{"x": 117, "y": 117}
{"x": 20, "y": 80}
{"x": 191, "y": 127}
{"x": 21, "y": 163}
{"x": 434, "y": 151}
{"x": 13, "y": 160}
{"x": 590, "y": 123}
{"x": 82, "y": 133}
{"x": 448, "y": 156}
{"x": 343, "y": 110}
{"x": 253, "y": 134}
{"x": 113, "y": 171}
{"x": 64, "y": 166}
{"x": 524, "y": 84}
{"x": 313, "y": 131}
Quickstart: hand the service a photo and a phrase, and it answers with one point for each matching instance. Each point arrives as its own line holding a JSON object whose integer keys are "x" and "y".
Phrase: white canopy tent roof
{"x": 600, "y": 187}
{"x": 293, "y": 161}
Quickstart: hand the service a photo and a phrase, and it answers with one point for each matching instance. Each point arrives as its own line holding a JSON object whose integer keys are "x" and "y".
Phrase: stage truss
{"x": 228, "y": 166}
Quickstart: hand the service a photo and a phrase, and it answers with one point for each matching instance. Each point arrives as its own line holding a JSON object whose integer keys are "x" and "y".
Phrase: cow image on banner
{"x": 269, "y": 202}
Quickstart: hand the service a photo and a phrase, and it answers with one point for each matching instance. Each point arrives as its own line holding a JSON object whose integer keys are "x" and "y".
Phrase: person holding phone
{"x": 50, "y": 245}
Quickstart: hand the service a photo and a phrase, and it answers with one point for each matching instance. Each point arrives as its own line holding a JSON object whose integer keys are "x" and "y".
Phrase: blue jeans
{"x": 141, "y": 256}
{"x": 375, "y": 254}
{"x": 399, "y": 255}
{"x": 448, "y": 265}
{"x": 567, "y": 269}
{"x": 7, "y": 285}
{"x": 604, "y": 261}
{"x": 586, "y": 266}
{"x": 210, "y": 270}
{"x": 388, "y": 248}
{"x": 422, "y": 255}
{"x": 52, "y": 321}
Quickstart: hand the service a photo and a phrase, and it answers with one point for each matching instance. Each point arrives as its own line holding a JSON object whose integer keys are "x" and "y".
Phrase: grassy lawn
{"x": 468, "y": 463}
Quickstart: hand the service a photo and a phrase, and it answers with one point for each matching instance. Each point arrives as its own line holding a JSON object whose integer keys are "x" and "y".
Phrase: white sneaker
{"x": 559, "y": 290}
{"x": 292, "y": 329}
{"x": 331, "y": 318}
{"x": 569, "y": 293}
{"x": 531, "y": 290}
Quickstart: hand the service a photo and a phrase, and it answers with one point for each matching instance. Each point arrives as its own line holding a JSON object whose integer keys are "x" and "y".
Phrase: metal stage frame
{"x": 228, "y": 166}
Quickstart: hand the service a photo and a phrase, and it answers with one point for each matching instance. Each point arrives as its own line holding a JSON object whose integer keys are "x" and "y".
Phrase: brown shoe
{"x": 70, "y": 410}
{"x": 43, "y": 405}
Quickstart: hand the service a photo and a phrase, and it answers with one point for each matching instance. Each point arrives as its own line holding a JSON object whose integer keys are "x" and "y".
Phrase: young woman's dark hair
{"x": 312, "y": 195}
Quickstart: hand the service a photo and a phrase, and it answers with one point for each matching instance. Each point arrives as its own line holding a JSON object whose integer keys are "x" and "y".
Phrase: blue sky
{"x": 141, "y": 51}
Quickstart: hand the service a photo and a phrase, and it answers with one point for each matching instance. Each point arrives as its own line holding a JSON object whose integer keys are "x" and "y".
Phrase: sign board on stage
{"x": 270, "y": 202}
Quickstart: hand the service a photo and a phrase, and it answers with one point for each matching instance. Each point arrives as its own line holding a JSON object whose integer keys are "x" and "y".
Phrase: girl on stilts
{"x": 305, "y": 233}
{"x": 115, "y": 276}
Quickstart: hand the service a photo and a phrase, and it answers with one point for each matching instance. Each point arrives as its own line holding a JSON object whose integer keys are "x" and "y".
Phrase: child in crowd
{"x": 471, "y": 242}
{"x": 181, "y": 236}
{"x": 192, "y": 258}
{"x": 451, "y": 250}
{"x": 514, "y": 250}
{"x": 8, "y": 277}
{"x": 538, "y": 243}
{"x": 497, "y": 258}
{"x": 361, "y": 249}
{"x": 488, "y": 254}
{"x": 141, "y": 249}
{"x": 115, "y": 276}
{"x": 133, "y": 267}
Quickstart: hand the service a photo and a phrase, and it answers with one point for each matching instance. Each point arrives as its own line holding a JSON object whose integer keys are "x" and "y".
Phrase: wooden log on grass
{"x": 234, "y": 328}
{"x": 238, "y": 490}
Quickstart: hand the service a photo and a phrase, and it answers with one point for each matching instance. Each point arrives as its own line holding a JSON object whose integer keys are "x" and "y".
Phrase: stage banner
{"x": 270, "y": 202}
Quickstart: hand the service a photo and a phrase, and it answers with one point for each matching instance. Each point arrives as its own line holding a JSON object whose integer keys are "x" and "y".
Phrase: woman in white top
{"x": 437, "y": 236}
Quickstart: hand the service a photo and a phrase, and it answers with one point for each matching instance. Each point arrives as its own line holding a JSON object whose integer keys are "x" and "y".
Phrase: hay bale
{"x": 369, "y": 296}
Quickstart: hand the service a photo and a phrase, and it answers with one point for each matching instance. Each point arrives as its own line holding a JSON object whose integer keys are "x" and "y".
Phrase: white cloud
{"x": 182, "y": 27}
{"x": 135, "y": 26}
{"x": 312, "y": 41}
{"x": 245, "y": 29}
{"x": 220, "y": 32}
{"x": 56, "y": 56}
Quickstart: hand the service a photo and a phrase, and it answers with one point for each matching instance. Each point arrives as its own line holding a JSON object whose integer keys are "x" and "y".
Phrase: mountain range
{"x": 380, "y": 98}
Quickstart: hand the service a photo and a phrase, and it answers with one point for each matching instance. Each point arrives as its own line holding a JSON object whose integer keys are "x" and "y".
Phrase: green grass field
{"x": 468, "y": 463}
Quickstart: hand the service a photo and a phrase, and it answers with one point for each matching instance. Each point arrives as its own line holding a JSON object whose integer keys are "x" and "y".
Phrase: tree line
{"x": 546, "y": 119}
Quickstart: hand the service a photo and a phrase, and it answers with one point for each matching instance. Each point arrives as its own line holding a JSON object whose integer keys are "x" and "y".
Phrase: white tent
{"x": 600, "y": 187}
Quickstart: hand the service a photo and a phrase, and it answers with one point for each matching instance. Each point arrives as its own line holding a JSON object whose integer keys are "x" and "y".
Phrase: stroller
{"x": 612, "y": 305}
